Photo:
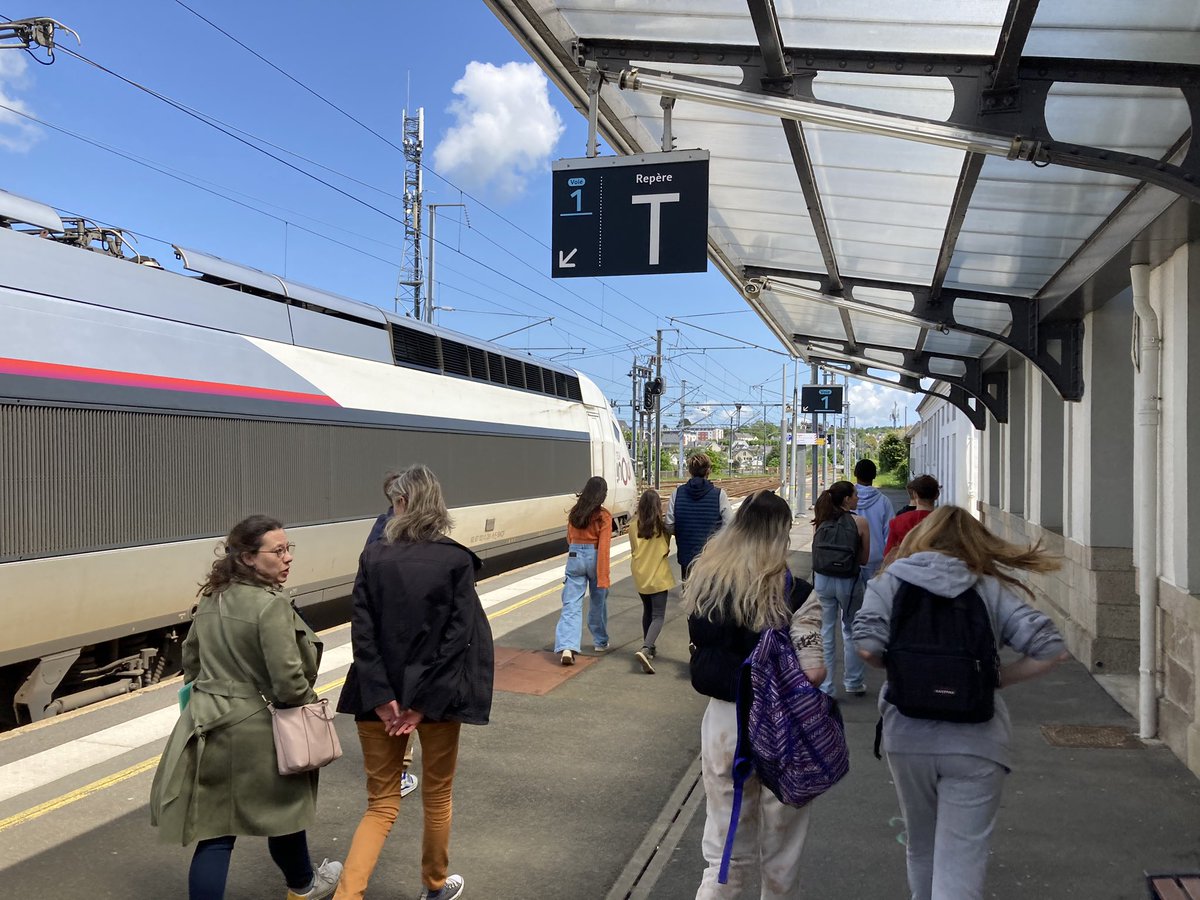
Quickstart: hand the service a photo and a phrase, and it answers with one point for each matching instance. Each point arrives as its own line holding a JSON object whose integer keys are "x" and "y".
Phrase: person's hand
{"x": 407, "y": 722}
{"x": 389, "y": 715}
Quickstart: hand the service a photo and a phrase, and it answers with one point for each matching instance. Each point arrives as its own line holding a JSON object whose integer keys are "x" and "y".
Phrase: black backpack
{"x": 835, "y": 547}
{"x": 941, "y": 657}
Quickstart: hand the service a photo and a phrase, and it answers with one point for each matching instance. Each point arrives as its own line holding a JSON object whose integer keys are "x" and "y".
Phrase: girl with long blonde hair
{"x": 949, "y": 775}
{"x": 740, "y": 586}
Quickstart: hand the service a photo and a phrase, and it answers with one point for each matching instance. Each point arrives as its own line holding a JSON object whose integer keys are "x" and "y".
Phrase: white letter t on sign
{"x": 655, "y": 201}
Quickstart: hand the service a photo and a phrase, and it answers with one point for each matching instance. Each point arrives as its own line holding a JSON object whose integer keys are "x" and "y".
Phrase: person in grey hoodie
{"x": 877, "y": 510}
{"x": 949, "y": 775}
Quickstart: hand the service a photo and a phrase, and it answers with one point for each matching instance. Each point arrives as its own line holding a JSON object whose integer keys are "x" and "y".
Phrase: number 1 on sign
{"x": 578, "y": 195}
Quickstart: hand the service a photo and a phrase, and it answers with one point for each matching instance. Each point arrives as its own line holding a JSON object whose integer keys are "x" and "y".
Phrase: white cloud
{"x": 17, "y": 135}
{"x": 872, "y": 404}
{"x": 505, "y": 128}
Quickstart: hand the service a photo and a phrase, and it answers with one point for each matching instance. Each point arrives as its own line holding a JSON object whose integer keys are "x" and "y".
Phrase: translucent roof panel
{"x": 942, "y": 26}
{"x": 661, "y": 20}
{"x": 886, "y": 201}
{"x": 1159, "y": 31}
{"x": 874, "y": 330}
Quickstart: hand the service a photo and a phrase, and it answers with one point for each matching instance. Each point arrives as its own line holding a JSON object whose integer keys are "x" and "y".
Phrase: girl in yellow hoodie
{"x": 650, "y": 544}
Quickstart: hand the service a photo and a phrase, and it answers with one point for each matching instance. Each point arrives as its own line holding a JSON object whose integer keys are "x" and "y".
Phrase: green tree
{"x": 893, "y": 453}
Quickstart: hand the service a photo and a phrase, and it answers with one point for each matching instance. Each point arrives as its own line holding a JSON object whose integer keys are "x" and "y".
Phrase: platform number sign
{"x": 630, "y": 215}
{"x": 821, "y": 398}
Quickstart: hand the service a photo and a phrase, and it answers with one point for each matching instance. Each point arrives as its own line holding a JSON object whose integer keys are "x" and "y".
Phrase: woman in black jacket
{"x": 738, "y": 588}
{"x": 423, "y": 662}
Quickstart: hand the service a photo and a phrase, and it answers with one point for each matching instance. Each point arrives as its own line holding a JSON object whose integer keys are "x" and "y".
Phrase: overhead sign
{"x": 821, "y": 398}
{"x": 630, "y": 215}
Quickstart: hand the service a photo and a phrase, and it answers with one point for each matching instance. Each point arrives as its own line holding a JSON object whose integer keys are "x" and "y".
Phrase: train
{"x": 143, "y": 411}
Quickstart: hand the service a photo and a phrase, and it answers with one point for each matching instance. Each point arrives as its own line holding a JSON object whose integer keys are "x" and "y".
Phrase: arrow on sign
{"x": 564, "y": 262}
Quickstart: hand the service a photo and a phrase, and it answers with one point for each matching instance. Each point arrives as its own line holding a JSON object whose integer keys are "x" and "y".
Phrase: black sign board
{"x": 821, "y": 398}
{"x": 630, "y": 215}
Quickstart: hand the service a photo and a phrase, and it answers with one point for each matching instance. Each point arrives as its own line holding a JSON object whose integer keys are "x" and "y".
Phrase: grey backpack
{"x": 835, "y": 547}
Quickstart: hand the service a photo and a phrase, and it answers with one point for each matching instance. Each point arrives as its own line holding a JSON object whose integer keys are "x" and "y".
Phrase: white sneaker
{"x": 325, "y": 882}
{"x": 568, "y": 657}
{"x": 408, "y": 784}
{"x": 643, "y": 656}
{"x": 451, "y": 890}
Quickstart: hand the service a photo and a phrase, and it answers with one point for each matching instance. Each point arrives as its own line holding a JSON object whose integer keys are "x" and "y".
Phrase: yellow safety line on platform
{"x": 36, "y": 812}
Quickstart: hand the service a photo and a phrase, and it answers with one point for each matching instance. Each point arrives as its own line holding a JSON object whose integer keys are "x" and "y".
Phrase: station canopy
{"x": 922, "y": 187}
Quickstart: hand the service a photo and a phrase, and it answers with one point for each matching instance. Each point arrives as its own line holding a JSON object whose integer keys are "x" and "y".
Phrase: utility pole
{"x": 796, "y": 492}
{"x": 635, "y": 412}
{"x": 733, "y": 437}
{"x": 414, "y": 198}
{"x": 682, "y": 417}
{"x": 429, "y": 280}
{"x": 783, "y": 432}
{"x": 658, "y": 409}
{"x": 813, "y": 375}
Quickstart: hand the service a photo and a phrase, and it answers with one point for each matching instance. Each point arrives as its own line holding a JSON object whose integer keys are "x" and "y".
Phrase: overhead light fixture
{"x": 756, "y": 286}
{"x": 828, "y": 353}
{"x": 814, "y": 112}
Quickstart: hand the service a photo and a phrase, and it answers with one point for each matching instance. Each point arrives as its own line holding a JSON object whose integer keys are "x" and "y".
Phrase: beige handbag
{"x": 304, "y": 737}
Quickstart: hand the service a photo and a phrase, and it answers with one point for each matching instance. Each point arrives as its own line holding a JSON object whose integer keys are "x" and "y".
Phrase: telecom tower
{"x": 410, "y": 283}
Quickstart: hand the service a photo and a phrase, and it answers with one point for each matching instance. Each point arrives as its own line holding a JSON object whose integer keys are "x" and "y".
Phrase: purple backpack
{"x": 790, "y": 734}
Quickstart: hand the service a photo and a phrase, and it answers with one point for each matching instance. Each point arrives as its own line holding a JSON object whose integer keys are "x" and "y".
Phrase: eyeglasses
{"x": 281, "y": 551}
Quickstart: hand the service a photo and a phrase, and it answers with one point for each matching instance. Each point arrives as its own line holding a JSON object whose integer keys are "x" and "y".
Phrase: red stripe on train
{"x": 156, "y": 382}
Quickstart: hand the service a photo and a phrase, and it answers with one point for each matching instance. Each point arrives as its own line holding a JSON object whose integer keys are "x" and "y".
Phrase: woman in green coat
{"x": 218, "y": 776}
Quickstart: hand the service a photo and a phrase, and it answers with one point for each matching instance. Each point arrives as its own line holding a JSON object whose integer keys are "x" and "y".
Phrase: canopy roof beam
{"x": 1056, "y": 348}
{"x": 1016, "y": 134}
{"x": 989, "y": 388}
{"x": 777, "y": 78}
{"x": 956, "y": 396}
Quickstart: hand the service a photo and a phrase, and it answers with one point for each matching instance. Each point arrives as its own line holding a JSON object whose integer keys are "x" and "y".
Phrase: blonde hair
{"x": 739, "y": 576}
{"x": 424, "y": 516}
{"x": 953, "y": 531}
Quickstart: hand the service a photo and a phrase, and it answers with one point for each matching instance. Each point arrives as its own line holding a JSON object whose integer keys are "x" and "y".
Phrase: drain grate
{"x": 1091, "y": 737}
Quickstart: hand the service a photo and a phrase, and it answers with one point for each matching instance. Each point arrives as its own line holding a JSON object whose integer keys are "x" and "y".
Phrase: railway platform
{"x": 586, "y": 785}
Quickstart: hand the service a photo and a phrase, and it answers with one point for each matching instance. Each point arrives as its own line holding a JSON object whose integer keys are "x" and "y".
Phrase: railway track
{"x": 734, "y": 487}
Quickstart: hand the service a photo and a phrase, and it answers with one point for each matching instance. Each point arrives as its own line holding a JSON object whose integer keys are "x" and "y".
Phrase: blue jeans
{"x": 835, "y": 594}
{"x": 581, "y": 578}
{"x": 210, "y": 864}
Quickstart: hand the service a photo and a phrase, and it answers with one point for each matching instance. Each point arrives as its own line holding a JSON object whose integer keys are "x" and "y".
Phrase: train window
{"x": 478, "y": 359}
{"x": 454, "y": 358}
{"x": 415, "y": 348}
{"x": 496, "y": 368}
{"x": 533, "y": 377}
{"x": 515, "y": 370}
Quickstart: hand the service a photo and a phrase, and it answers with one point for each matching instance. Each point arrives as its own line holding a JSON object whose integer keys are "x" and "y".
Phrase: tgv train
{"x": 143, "y": 412}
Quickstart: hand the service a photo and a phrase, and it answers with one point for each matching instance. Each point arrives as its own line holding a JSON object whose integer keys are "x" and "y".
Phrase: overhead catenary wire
{"x": 250, "y": 141}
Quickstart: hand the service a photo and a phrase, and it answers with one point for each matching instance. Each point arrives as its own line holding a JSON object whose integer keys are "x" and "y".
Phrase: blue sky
{"x": 492, "y": 126}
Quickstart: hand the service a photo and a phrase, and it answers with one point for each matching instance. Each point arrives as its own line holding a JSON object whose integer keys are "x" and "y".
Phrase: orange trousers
{"x": 383, "y": 759}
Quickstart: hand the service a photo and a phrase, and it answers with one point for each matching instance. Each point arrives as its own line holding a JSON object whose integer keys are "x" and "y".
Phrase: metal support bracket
{"x": 25, "y": 34}
{"x": 594, "y": 79}
{"x": 987, "y": 388}
{"x": 32, "y": 697}
{"x": 1056, "y": 348}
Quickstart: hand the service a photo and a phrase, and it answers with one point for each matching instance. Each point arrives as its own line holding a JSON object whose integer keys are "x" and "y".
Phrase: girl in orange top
{"x": 589, "y": 534}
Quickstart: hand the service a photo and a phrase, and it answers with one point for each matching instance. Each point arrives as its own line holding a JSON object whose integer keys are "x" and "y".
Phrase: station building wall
{"x": 1064, "y": 474}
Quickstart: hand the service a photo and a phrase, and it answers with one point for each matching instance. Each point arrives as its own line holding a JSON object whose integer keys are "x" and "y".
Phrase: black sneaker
{"x": 644, "y": 656}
